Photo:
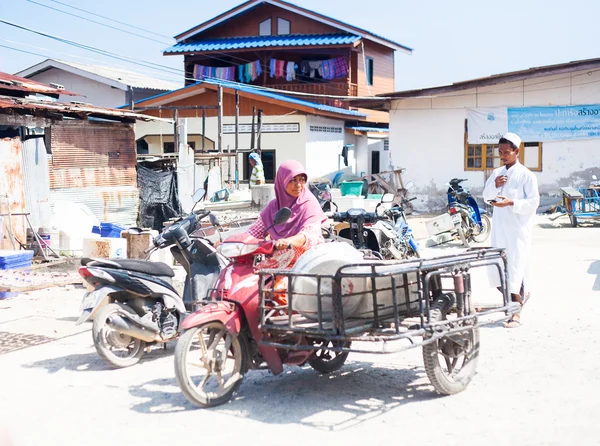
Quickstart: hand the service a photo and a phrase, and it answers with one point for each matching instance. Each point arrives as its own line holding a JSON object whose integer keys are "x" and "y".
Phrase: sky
{"x": 452, "y": 40}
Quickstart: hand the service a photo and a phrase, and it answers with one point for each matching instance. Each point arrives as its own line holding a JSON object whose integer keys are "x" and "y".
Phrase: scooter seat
{"x": 138, "y": 266}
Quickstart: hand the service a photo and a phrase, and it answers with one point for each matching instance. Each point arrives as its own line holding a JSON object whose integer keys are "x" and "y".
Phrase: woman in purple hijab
{"x": 302, "y": 230}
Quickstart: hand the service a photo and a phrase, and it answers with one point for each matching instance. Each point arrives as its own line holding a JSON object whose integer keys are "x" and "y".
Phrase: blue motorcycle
{"x": 471, "y": 222}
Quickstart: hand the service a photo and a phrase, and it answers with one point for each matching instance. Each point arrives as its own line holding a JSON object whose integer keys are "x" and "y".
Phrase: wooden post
{"x": 175, "y": 131}
{"x": 203, "y": 130}
{"x": 252, "y": 130}
{"x": 237, "y": 135}
{"x": 259, "y": 125}
{"x": 220, "y": 118}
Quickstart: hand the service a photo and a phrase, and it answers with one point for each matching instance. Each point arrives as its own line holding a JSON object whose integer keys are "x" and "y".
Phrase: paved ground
{"x": 536, "y": 385}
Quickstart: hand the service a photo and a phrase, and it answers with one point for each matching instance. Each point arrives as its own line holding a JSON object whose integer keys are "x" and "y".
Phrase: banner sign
{"x": 486, "y": 125}
{"x": 540, "y": 124}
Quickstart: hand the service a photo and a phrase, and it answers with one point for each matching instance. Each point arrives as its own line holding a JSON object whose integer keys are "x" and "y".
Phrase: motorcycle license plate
{"x": 88, "y": 301}
{"x": 456, "y": 219}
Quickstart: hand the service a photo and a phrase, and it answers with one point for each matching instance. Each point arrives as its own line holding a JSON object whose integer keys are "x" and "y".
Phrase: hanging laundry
{"x": 340, "y": 67}
{"x": 290, "y": 71}
{"x": 327, "y": 69}
{"x": 258, "y": 68}
{"x": 272, "y": 67}
{"x": 316, "y": 66}
{"x": 280, "y": 69}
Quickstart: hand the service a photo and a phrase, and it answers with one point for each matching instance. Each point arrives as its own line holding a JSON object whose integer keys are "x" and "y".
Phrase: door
{"x": 375, "y": 160}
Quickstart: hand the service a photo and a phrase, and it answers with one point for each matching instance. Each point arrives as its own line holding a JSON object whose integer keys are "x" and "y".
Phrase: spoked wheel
{"x": 486, "y": 229}
{"x": 118, "y": 349}
{"x": 209, "y": 364}
{"x": 328, "y": 361}
{"x": 451, "y": 362}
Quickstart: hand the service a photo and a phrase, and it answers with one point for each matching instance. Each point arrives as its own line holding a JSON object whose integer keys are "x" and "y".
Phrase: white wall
{"x": 95, "y": 93}
{"x": 324, "y": 148}
{"x": 427, "y": 135}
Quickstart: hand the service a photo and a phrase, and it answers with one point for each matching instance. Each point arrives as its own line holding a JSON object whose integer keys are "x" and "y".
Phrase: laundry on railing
{"x": 281, "y": 68}
{"x": 245, "y": 73}
{"x": 327, "y": 69}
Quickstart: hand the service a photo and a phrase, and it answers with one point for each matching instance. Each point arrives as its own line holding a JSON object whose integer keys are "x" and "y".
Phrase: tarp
{"x": 158, "y": 198}
{"x": 486, "y": 125}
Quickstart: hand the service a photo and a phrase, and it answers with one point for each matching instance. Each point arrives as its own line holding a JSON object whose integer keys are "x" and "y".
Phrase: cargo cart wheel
{"x": 327, "y": 361}
{"x": 573, "y": 219}
{"x": 451, "y": 361}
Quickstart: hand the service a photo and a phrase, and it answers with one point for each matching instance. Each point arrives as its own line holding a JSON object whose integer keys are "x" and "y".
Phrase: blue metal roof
{"x": 236, "y": 43}
{"x": 266, "y": 93}
{"x": 370, "y": 129}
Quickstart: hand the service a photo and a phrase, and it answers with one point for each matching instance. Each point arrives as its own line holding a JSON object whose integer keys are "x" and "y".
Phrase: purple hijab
{"x": 305, "y": 208}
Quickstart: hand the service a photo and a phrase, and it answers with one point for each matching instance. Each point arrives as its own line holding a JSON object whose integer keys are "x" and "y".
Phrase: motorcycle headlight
{"x": 233, "y": 249}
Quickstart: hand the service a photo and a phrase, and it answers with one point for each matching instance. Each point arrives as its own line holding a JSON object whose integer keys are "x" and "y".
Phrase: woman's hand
{"x": 282, "y": 243}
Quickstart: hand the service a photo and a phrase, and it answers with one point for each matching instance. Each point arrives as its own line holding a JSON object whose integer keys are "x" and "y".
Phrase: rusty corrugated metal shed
{"x": 24, "y": 85}
{"x": 12, "y": 191}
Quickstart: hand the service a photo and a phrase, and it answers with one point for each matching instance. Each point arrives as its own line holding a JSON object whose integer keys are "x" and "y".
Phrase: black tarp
{"x": 159, "y": 200}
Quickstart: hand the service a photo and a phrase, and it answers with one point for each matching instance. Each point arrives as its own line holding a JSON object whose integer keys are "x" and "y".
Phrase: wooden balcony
{"x": 325, "y": 88}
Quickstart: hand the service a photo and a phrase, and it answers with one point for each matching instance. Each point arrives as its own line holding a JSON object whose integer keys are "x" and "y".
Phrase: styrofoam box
{"x": 335, "y": 193}
{"x": 439, "y": 224}
{"x": 105, "y": 248}
{"x": 349, "y": 202}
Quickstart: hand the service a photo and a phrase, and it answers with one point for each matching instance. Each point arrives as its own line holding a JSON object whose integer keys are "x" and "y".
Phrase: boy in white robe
{"x": 513, "y": 191}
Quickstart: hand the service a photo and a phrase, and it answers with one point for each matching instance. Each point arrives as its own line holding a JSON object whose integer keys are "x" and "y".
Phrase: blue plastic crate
{"x": 108, "y": 230}
{"x": 15, "y": 259}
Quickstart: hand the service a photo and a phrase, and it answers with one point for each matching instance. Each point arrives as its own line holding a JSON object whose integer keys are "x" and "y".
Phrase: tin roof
{"x": 236, "y": 43}
{"x": 370, "y": 129}
{"x": 116, "y": 77}
{"x": 257, "y": 92}
{"x": 9, "y": 104}
{"x": 23, "y": 85}
{"x": 250, "y": 4}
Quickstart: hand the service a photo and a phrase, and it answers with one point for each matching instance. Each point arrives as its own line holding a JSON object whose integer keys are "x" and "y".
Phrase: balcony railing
{"x": 324, "y": 88}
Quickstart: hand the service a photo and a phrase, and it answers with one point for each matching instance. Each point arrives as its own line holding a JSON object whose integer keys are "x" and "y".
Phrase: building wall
{"x": 383, "y": 70}
{"x": 92, "y": 91}
{"x": 324, "y": 144}
{"x": 427, "y": 136}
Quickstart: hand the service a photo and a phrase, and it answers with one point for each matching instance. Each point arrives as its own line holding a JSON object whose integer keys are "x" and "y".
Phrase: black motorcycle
{"x": 133, "y": 302}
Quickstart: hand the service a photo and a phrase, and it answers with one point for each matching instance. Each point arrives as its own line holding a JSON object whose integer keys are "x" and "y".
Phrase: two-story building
{"x": 297, "y": 66}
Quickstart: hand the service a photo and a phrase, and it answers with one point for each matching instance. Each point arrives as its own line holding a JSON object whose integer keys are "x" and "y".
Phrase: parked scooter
{"x": 133, "y": 302}
{"x": 388, "y": 236}
{"x": 471, "y": 222}
{"x": 222, "y": 340}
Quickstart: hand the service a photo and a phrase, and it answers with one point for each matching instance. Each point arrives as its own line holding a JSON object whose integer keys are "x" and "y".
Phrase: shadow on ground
{"x": 594, "y": 268}
{"x": 359, "y": 392}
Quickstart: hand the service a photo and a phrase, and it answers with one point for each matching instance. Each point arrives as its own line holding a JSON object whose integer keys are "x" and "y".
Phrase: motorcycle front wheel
{"x": 210, "y": 364}
{"x": 486, "y": 229}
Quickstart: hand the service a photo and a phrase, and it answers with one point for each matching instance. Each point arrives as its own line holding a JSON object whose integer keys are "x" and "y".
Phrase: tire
{"x": 411, "y": 253}
{"x": 213, "y": 335}
{"x": 573, "y": 219}
{"x": 486, "y": 229}
{"x": 322, "y": 361}
{"x": 105, "y": 338}
{"x": 445, "y": 382}
{"x": 463, "y": 238}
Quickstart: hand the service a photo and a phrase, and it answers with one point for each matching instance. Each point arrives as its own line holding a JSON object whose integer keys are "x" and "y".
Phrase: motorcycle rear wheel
{"x": 463, "y": 236}
{"x": 115, "y": 348}
{"x": 486, "y": 229}
{"x": 210, "y": 364}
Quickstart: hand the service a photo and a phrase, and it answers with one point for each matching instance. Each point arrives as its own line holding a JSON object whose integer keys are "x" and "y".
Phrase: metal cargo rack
{"x": 398, "y": 304}
{"x": 581, "y": 202}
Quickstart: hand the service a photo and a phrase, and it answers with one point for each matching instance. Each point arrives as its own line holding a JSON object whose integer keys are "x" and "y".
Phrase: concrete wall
{"x": 427, "y": 135}
{"x": 324, "y": 146}
{"x": 95, "y": 93}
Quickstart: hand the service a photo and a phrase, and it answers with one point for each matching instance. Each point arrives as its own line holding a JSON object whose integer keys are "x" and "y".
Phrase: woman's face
{"x": 252, "y": 162}
{"x": 296, "y": 185}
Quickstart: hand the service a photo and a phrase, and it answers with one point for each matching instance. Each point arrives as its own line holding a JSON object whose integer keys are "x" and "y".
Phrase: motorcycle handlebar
{"x": 369, "y": 217}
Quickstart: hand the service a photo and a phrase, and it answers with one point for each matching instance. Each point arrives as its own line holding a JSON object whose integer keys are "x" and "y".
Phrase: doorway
{"x": 375, "y": 160}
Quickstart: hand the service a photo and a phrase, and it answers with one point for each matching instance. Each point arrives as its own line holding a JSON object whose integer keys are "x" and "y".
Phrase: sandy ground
{"x": 536, "y": 385}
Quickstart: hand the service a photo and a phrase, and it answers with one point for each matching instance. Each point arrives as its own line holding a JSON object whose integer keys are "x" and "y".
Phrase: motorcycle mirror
{"x": 387, "y": 198}
{"x": 282, "y": 216}
{"x": 409, "y": 185}
{"x": 214, "y": 220}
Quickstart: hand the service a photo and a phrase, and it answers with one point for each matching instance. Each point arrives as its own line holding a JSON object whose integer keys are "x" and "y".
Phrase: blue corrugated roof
{"x": 265, "y": 93}
{"x": 370, "y": 129}
{"x": 236, "y": 43}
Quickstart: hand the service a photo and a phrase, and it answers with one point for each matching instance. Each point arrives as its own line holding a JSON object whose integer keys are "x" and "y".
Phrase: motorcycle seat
{"x": 138, "y": 266}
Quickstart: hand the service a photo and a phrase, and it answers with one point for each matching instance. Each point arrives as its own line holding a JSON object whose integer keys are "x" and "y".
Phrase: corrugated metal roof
{"x": 370, "y": 129}
{"x": 236, "y": 43}
{"x": 21, "y": 84}
{"x": 53, "y": 107}
{"x": 120, "y": 75}
{"x": 261, "y": 92}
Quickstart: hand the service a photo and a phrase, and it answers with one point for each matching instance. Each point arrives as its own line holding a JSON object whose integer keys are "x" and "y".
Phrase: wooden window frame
{"x": 484, "y": 157}
{"x": 289, "y": 26}
{"x": 270, "y": 20}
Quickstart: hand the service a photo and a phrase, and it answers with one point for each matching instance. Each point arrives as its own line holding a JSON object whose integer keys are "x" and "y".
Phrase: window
{"x": 324, "y": 129}
{"x": 369, "y": 69}
{"x": 141, "y": 147}
{"x": 268, "y": 160}
{"x": 169, "y": 147}
{"x": 264, "y": 28}
{"x": 283, "y": 26}
{"x": 485, "y": 156}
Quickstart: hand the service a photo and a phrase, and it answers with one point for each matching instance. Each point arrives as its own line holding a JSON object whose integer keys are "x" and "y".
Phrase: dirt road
{"x": 536, "y": 385}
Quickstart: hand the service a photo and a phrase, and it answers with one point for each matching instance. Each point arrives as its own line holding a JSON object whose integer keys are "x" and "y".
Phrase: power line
{"x": 112, "y": 20}
{"x": 98, "y": 23}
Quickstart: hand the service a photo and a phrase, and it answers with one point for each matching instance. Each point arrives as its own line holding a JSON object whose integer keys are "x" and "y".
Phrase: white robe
{"x": 512, "y": 226}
